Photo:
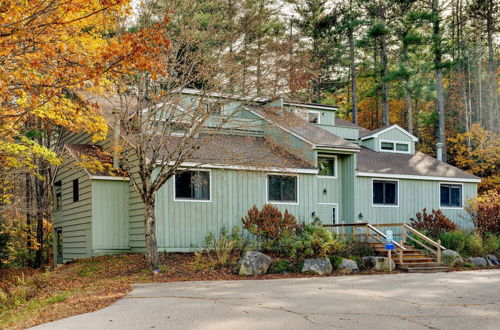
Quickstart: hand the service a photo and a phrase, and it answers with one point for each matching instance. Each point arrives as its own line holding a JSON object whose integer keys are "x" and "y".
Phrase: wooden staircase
{"x": 406, "y": 257}
{"x": 414, "y": 260}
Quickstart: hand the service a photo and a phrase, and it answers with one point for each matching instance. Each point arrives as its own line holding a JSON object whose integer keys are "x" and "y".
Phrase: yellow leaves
{"x": 20, "y": 153}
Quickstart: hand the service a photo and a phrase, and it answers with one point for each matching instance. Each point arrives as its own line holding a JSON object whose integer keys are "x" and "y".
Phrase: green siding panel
{"x": 110, "y": 214}
{"x": 414, "y": 195}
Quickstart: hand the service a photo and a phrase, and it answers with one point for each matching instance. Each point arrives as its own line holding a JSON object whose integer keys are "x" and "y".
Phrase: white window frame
{"x": 461, "y": 191}
{"x": 278, "y": 202}
{"x": 192, "y": 200}
{"x": 316, "y": 112}
{"x": 397, "y": 192}
{"x": 334, "y": 169}
{"x": 337, "y": 210}
{"x": 394, "y": 150}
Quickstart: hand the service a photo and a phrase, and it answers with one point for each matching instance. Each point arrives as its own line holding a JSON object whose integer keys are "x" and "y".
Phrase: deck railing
{"x": 371, "y": 233}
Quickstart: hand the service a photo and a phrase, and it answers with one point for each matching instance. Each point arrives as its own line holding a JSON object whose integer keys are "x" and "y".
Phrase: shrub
{"x": 464, "y": 242}
{"x": 310, "y": 241}
{"x": 269, "y": 223}
{"x": 359, "y": 249}
{"x": 432, "y": 224}
{"x": 225, "y": 248}
{"x": 491, "y": 243}
{"x": 281, "y": 266}
{"x": 485, "y": 212}
{"x": 335, "y": 261}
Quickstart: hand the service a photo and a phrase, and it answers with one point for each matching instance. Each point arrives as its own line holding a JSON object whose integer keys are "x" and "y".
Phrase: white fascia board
{"x": 328, "y": 148}
{"x": 413, "y": 137}
{"x": 248, "y": 168}
{"x": 416, "y": 177}
{"x": 322, "y": 107}
{"x": 109, "y": 178}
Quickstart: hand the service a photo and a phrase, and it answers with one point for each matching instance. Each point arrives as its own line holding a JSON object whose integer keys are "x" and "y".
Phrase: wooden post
{"x": 404, "y": 235}
{"x": 439, "y": 251}
{"x": 367, "y": 234}
{"x": 390, "y": 260}
{"x": 400, "y": 257}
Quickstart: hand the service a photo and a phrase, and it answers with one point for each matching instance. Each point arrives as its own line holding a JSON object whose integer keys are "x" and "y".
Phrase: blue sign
{"x": 389, "y": 246}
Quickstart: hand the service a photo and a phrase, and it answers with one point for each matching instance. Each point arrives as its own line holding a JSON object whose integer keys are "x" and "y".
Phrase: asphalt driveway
{"x": 460, "y": 300}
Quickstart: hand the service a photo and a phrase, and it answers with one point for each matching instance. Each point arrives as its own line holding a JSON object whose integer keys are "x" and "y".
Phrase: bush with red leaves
{"x": 269, "y": 223}
{"x": 485, "y": 212}
{"x": 432, "y": 224}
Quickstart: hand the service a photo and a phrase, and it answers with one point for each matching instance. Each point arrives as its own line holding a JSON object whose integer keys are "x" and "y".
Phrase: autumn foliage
{"x": 269, "y": 223}
{"x": 485, "y": 212}
{"x": 433, "y": 223}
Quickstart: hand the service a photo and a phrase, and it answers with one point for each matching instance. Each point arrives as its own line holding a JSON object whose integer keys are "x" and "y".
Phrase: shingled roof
{"x": 238, "y": 150}
{"x": 94, "y": 159}
{"x": 419, "y": 164}
{"x": 309, "y": 132}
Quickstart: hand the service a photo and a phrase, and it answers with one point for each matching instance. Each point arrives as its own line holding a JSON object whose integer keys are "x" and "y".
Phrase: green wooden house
{"x": 298, "y": 156}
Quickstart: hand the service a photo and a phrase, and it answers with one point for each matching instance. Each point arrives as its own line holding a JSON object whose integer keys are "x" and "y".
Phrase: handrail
{"x": 383, "y": 235}
{"x": 413, "y": 230}
{"x": 346, "y": 224}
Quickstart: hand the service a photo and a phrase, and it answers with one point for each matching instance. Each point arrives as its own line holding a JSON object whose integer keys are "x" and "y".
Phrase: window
{"x": 76, "y": 191}
{"x": 385, "y": 193}
{"x": 313, "y": 117}
{"x": 58, "y": 195}
{"x": 282, "y": 188}
{"x": 401, "y": 147}
{"x": 212, "y": 107}
{"x": 326, "y": 166}
{"x": 192, "y": 185}
{"x": 451, "y": 195}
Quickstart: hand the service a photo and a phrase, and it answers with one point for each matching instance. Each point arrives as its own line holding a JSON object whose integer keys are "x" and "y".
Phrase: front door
{"x": 328, "y": 213}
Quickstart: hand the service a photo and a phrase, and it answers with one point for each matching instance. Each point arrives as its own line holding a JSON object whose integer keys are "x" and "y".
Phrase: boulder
{"x": 378, "y": 263}
{"x": 477, "y": 261}
{"x": 452, "y": 258}
{"x": 492, "y": 260}
{"x": 317, "y": 266}
{"x": 348, "y": 266}
{"x": 254, "y": 263}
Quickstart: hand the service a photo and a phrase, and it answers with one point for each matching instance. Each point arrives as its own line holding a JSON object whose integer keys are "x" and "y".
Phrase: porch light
{"x": 360, "y": 216}
{"x": 325, "y": 191}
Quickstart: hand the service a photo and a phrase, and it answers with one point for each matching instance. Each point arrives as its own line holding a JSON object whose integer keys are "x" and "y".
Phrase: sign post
{"x": 389, "y": 246}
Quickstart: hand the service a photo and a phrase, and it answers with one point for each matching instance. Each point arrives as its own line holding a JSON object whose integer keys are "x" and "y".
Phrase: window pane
{"x": 378, "y": 192}
{"x": 387, "y": 146}
{"x": 274, "y": 188}
{"x": 390, "y": 193}
{"x": 201, "y": 185}
{"x": 445, "y": 195}
{"x": 334, "y": 215}
{"x": 289, "y": 191}
{"x": 456, "y": 196}
{"x": 402, "y": 147}
{"x": 183, "y": 185}
{"x": 326, "y": 166}
{"x": 313, "y": 117}
{"x": 76, "y": 191}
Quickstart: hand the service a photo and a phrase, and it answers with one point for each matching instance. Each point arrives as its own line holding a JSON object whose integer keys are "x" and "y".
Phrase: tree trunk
{"x": 150, "y": 233}
{"x": 480, "y": 87}
{"x": 409, "y": 104}
{"x": 353, "y": 79}
{"x": 40, "y": 208}
{"x": 436, "y": 35}
{"x": 385, "y": 87}
{"x": 493, "y": 111}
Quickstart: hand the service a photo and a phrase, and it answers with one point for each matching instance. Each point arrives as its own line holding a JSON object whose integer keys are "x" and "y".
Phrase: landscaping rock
{"x": 378, "y": 263}
{"x": 477, "y": 261}
{"x": 452, "y": 258}
{"x": 348, "y": 266}
{"x": 492, "y": 260}
{"x": 317, "y": 266}
{"x": 254, "y": 263}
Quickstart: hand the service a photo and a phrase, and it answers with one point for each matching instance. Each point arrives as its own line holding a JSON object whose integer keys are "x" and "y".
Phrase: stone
{"x": 477, "y": 261}
{"x": 317, "y": 266}
{"x": 348, "y": 266}
{"x": 254, "y": 263}
{"x": 492, "y": 260}
{"x": 452, "y": 258}
{"x": 378, "y": 263}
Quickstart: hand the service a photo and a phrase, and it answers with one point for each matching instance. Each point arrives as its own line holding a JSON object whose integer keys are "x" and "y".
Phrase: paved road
{"x": 461, "y": 300}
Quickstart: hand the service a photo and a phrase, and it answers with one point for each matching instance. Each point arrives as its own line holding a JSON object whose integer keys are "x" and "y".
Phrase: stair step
{"x": 423, "y": 264}
{"x": 435, "y": 269}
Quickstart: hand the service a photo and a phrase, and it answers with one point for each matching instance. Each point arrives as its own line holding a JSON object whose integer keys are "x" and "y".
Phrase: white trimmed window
{"x": 393, "y": 146}
{"x": 192, "y": 185}
{"x": 451, "y": 195}
{"x": 327, "y": 166}
{"x": 385, "y": 193}
{"x": 282, "y": 189}
{"x": 313, "y": 117}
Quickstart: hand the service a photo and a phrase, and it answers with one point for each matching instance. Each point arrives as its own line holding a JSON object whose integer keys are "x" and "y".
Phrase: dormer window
{"x": 313, "y": 117}
{"x": 393, "y": 146}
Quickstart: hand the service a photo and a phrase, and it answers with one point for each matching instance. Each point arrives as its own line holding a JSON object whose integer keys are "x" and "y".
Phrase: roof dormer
{"x": 392, "y": 139}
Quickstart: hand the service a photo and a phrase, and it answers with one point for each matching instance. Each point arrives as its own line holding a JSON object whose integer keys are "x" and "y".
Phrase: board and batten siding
{"x": 393, "y": 134}
{"x": 110, "y": 216}
{"x": 414, "y": 196}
